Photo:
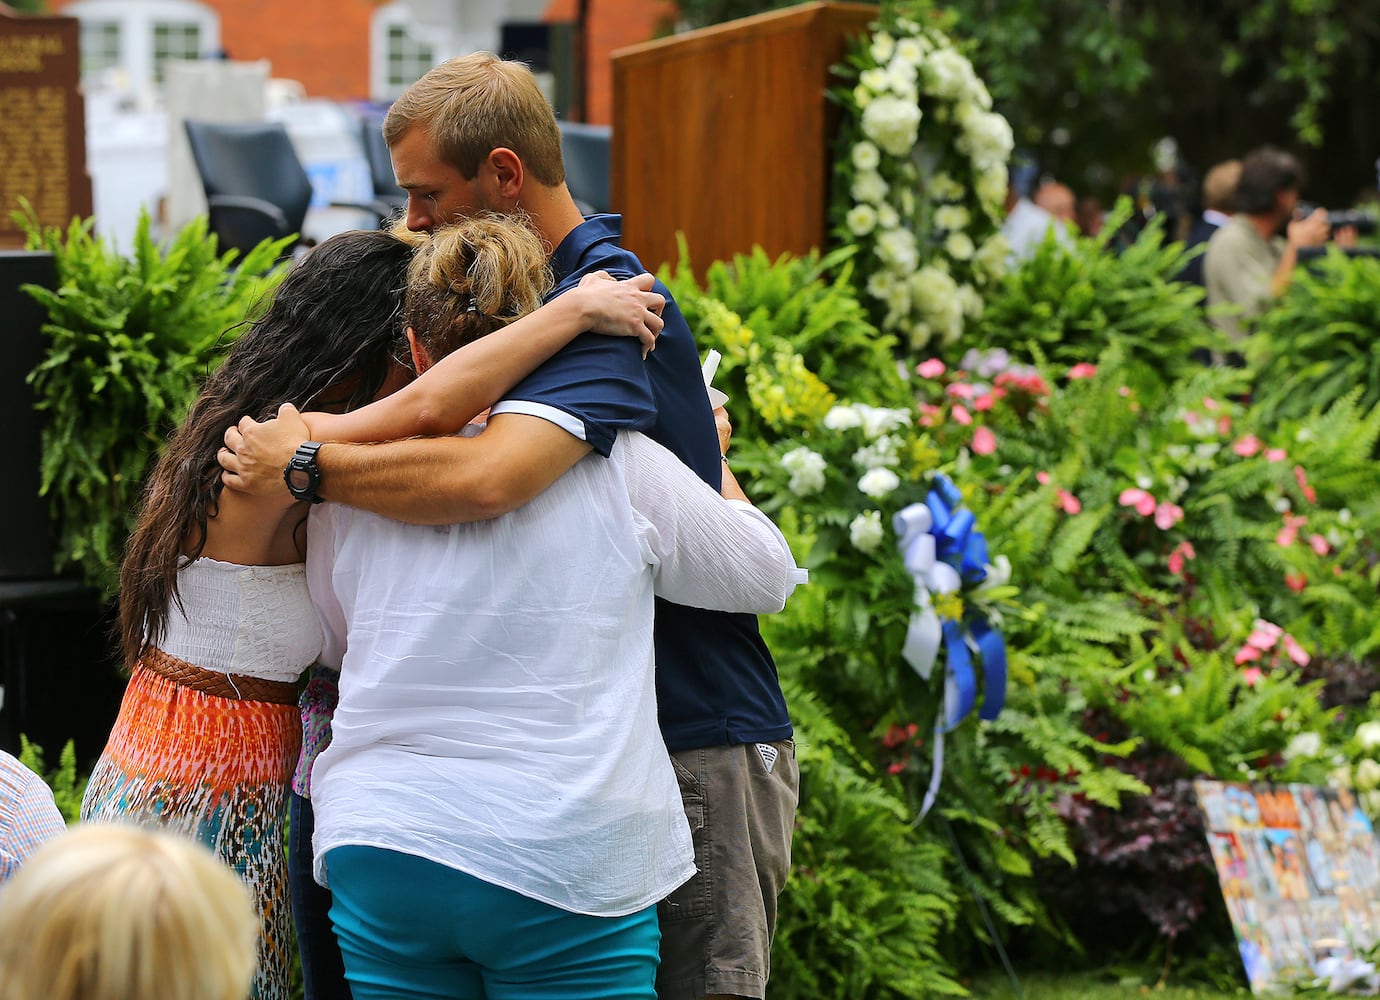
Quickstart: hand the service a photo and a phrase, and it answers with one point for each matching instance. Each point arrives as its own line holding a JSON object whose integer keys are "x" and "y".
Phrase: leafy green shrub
{"x": 129, "y": 341}
{"x": 66, "y": 786}
{"x": 1317, "y": 343}
{"x": 788, "y": 329}
{"x": 868, "y": 899}
{"x": 1070, "y": 304}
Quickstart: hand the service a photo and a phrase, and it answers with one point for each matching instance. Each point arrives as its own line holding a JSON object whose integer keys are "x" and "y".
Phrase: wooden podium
{"x": 725, "y": 134}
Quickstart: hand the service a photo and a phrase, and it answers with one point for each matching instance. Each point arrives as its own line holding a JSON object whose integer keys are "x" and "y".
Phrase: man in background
{"x": 1219, "y": 201}
{"x": 1251, "y": 259}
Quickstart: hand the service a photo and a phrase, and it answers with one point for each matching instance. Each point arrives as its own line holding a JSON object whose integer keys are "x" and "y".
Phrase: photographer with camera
{"x": 1251, "y": 259}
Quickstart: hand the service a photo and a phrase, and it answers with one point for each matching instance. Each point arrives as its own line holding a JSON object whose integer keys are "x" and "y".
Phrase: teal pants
{"x": 411, "y": 929}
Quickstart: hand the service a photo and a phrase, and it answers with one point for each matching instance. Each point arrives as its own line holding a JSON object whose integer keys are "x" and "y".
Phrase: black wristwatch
{"x": 302, "y": 474}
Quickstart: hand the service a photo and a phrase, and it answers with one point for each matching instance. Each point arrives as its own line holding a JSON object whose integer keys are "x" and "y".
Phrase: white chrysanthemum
{"x": 911, "y": 50}
{"x": 842, "y": 418}
{"x": 877, "y": 483}
{"x": 979, "y": 94}
{"x": 892, "y": 123}
{"x": 991, "y": 188}
{"x": 869, "y": 187}
{"x": 807, "y": 471}
{"x": 986, "y": 136}
{"x": 970, "y": 301}
{"x": 959, "y": 246}
{"x": 879, "y": 284}
{"x": 945, "y": 188}
{"x": 862, "y": 96}
{"x": 897, "y": 247}
{"x": 877, "y": 420}
{"x": 875, "y": 80}
{"x": 883, "y": 45}
{"x": 861, "y": 219}
{"x": 903, "y": 76}
{"x": 947, "y": 74}
{"x": 990, "y": 258}
{"x": 951, "y": 218}
{"x": 907, "y": 201}
{"x": 1303, "y": 745}
{"x": 887, "y": 217}
{"x": 931, "y": 285}
{"x": 1367, "y": 775}
{"x": 865, "y": 530}
{"x": 866, "y": 156}
{"x": 1368, "y": 735}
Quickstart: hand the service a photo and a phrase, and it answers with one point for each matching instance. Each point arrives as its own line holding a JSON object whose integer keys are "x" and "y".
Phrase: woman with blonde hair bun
{"x": 116, "y": 913}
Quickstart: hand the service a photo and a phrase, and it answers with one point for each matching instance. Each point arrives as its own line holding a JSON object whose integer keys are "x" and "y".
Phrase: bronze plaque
{"x": 42, "y": 122}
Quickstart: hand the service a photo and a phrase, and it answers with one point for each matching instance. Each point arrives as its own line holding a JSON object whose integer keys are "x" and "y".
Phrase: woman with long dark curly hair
{"x": 216, "y": 625}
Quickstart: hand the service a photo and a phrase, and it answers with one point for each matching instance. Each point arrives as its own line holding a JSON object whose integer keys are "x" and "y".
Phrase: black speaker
{"x": 26, "y": 533}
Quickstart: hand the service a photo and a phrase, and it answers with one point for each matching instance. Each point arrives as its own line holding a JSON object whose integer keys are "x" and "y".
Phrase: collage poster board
{"x": 1300, "y": 873}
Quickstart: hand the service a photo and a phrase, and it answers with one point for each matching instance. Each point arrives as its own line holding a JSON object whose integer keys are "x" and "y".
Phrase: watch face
{"x": 299, "y": 479}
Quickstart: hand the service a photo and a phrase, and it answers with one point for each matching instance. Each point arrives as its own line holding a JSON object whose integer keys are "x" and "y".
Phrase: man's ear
{"x": 507, "y": 172}
{"x": 421, "y": 360}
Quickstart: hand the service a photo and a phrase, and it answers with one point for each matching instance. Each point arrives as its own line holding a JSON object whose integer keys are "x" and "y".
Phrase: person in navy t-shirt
{"x": 476, "y": 134}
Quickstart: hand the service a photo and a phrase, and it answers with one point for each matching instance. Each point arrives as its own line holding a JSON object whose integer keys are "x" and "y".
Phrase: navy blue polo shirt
{"x": 716, "y": 683}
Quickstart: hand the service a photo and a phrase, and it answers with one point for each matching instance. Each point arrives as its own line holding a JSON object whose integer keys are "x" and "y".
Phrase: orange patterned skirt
{"x": 215, "y": 769}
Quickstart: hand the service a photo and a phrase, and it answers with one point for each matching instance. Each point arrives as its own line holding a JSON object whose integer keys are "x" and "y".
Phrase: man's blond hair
{"x": 474, "y": 104}
{"x": 1219, "y": 186}
{"x": 111, "y": 913}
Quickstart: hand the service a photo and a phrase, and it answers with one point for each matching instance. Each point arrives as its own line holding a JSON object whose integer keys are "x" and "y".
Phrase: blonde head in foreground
{"x": 115, "y": 913}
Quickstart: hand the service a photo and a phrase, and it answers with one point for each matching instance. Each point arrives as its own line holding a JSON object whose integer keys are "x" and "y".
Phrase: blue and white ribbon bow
{"x": 943, "y": 550}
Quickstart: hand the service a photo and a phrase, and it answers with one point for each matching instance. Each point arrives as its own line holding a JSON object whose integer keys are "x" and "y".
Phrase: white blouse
{"x": 497, "y": 708}
{"x": 257, "y": 621}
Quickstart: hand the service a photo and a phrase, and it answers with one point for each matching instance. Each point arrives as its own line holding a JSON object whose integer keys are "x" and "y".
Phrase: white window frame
{"x": 138, "y": 59}
{"x": 383, "y": 23}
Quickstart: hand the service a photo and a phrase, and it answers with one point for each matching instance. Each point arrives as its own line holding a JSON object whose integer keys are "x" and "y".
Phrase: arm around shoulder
{"x": 451, "y": 480}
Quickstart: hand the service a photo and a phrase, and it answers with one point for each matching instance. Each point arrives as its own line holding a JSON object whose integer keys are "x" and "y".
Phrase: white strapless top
{"x": 252, "y": 620}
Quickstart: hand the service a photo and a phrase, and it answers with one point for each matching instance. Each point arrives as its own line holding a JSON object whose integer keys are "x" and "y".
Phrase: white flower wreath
{"x": 922, "y": 180}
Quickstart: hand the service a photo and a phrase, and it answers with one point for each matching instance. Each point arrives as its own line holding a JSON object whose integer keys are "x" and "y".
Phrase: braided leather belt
{"x": 236, "y": 687}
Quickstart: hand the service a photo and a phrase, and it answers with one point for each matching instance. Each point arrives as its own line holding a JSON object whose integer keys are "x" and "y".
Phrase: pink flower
{"x": 1143, "y": 502}
{"x": 985, "y": 402}
{"x": 1042, "y": 478}
{"x": 1209, "y": 403}
{"x": 929, "y": 414}
{"x": 1224, "y": 425}
{"x": 961, "y": 416}
{"x": 1308, "y": 492}
{"x": 1290, "y": 531}
{"x": 1246, "y": 654}
{"x": 984, "y": 441}
{"x": 931, "y": 368}
{"x": 1295, "y": 651}
{"x": 1275, "y": 455}
{"x": 1248, "y": 446}
{"x": 1265, "y": 634}
{"x": 1295, "y": 582}
{"x": 896, "y": 767}
{"x": 1167, "y": 515}
{"x": 1070, "y": 503}
{"x": 1082, "y": 370}
{"x": 1252, "y": 675}
{"x": 1319, "y": 544}
{"x": 1182, "y": 551}
{"x": 1123, "y": 390}
{"x": 961, "y": 390}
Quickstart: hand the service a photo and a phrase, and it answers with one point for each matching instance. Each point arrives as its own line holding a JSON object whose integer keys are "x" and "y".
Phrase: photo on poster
{"x": 1300, "y": 872}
